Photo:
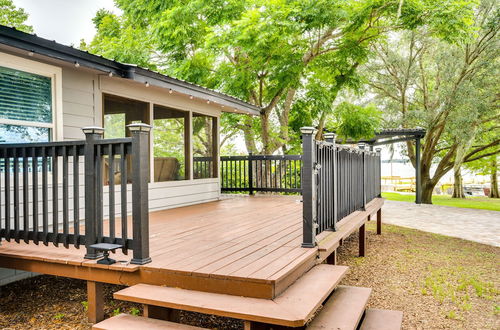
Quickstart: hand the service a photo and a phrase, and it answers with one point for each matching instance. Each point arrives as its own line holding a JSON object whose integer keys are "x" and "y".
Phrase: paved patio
{"x": 475, "y": 225}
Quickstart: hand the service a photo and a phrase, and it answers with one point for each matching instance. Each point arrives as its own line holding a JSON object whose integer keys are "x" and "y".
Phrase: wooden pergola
{"x": 390, "y": 136}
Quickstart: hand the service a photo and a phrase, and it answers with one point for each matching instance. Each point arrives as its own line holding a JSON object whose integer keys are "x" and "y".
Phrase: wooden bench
{"x": 376, "y": 319}
{"x": 293, "y": 308}
{"x": 130, "y": 322}
{"x": 343, "y": 310}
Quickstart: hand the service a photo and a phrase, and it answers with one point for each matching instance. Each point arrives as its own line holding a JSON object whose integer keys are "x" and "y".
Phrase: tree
{"x": 487, "y": 166}
{"x": 12, "y": 16}
{"x": 447, "y": 88}
{"x": 270, "y": 53}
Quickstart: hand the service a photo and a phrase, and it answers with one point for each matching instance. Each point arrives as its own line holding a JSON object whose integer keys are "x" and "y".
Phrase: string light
{"x": 191, "y": 97}
{"x": 170, "y": 91}
{"x": 147, "y": 84}
{"x": 110, "y": 74}
{"x": 77, "y": 65}
{"x": 31, "y": 54}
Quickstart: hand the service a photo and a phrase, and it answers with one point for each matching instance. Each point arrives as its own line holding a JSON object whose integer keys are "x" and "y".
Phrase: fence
{"x": 261, "y": 173}
{"x": 37, "y": 175}
{"x": 337, "y": 181}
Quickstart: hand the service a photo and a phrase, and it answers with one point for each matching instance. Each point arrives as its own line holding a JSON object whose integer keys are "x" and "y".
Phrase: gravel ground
{"x": 439, "y": 282}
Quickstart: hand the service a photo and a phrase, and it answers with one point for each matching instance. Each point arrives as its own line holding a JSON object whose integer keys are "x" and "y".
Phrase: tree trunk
{"x": 494, "y": 179}
{"x": 427, "y": 189}
{"x": 458, "y": 187}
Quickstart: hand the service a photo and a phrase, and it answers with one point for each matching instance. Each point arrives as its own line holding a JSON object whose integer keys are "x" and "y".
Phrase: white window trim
{"x": 55, "y": 75}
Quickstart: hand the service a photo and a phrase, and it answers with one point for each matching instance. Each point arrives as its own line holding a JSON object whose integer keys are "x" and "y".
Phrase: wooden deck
{"x": 248, "y": 246}
{"x": 214, "y": 247}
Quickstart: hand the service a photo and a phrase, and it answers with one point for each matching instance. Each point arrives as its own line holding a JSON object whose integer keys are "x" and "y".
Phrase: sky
{"x": 65, "y": 21}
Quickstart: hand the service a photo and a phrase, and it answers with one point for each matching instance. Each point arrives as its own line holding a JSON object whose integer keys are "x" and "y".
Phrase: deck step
{"x": 130, "y": 322}
{"x": 382, "y": 319}
{"x": 293, "y": 308}
{"x": 343, "y": 310}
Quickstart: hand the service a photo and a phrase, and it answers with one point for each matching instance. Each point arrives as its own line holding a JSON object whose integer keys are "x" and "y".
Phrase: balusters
{"x": 34, "y": 165}
{"x": 123, "y": 196}
{"x": 76, "y": 196}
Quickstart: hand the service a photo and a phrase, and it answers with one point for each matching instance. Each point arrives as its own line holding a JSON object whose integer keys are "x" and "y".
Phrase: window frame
{"x": 55, "y": 74}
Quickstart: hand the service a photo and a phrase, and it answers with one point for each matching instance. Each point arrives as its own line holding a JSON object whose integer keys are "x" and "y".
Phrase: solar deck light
{"x": 93, "y": 130}
{"x": 307, "y": 130}
{"x": 378, "y": 150}
{"x": 139, "y": 127}
{"x": 361, "y": 146}
{"x": 330, "y": 137}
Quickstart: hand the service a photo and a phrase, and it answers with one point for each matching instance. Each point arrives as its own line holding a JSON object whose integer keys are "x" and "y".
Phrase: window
{"x": 204, "y": 146}
{"x": 170, "y": 144}
{"x": 26, "y": 107}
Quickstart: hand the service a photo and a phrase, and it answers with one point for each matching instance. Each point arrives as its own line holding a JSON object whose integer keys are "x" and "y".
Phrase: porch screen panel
{"x": 204, "y": 146}
{"x": 170, "y": 144}
{"x": 25, "y": 96}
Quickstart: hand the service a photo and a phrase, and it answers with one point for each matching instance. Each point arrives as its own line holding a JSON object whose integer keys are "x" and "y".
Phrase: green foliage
{"x": 356, "y": 122}
{"x": 12, "y": 16}
{"x": 135, "y": 311}
{"x": 59, "y": 316}
{"x": 116, "y": 311}
{"x": 291, "y": 58}
{"x": 85, "y": 305}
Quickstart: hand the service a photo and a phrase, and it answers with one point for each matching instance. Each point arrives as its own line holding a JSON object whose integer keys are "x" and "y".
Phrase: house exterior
{"x": 49, "y": 92}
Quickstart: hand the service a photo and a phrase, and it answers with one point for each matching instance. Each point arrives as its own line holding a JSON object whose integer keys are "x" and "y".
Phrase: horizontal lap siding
{"x": 79, "y": 108}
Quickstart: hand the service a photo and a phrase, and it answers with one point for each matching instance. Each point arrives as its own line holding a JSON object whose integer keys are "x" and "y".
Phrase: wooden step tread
{"x": 343, "y": 310}
{"x": 292, "y": 308}
{"x": 382, "y": 319}
{"x": 130, "y": 322}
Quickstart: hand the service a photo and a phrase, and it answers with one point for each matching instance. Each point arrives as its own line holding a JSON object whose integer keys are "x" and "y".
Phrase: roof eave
{"x": 32, "y": 43}
{"x": 153, "y": 78}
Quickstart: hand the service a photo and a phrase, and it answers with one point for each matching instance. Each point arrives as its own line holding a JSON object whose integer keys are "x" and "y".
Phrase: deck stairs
{"x": 314, "y": 301}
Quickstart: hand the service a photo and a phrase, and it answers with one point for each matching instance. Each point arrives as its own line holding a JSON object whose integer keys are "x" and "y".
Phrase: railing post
{"x": 309, "y": 187}
{"x": 361, "y": 146}
{"x": 92, "y": 134}
{"x": 418, "y": 186}
{"x": 140, "y": 196}
{"x": 250, "y": 174}
{"x": 331, "y": 137}
{"x": 378, "y": 151}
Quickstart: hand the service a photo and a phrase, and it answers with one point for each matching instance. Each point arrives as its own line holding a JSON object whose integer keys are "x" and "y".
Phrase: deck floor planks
{"x": 227, "y": 243}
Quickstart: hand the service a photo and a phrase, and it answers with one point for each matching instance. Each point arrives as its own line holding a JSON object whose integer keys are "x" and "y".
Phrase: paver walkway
{"x": 481, "y": 226}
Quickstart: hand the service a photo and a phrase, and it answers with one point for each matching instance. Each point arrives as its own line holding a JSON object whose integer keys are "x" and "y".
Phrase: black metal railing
{"x": 337, "y": 181}
{"x": 261, "y": 173}
{"x": 45, "y": 198}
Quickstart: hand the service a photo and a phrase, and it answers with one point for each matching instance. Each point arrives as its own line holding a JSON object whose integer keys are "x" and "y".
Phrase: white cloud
{"x": 65, "y": 21}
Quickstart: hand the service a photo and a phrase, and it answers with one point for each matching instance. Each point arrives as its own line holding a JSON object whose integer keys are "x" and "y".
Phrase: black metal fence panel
{"x": 261, "y": 173}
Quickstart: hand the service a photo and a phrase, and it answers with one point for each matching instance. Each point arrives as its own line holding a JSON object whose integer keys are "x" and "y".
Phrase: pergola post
{"x": 418, "y": 188}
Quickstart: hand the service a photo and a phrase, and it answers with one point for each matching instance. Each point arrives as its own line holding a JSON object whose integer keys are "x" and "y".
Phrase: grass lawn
{"x": 483, "y": 203}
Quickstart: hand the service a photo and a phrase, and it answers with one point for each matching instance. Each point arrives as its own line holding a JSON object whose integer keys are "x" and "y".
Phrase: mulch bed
{"x": 439, "y": 282}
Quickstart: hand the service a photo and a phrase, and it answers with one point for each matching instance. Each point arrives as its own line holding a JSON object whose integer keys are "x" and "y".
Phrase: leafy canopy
{"x": 291, "y": 58}
{"x": 12, "y": 16}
